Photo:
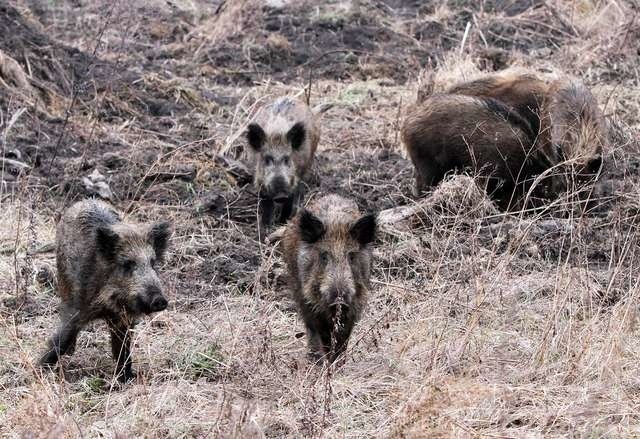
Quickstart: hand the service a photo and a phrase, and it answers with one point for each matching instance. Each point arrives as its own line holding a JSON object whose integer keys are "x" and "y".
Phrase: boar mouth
{"x": 280, "y": 198}
{"x": 149, "y": 307}
{"x": 338, "y": 298}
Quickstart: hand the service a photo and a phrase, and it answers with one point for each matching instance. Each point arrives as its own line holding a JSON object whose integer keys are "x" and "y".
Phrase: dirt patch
{"x": 78, "y": 98}
{"x": 373, "y": 183}
{"x": 341, "y": 40}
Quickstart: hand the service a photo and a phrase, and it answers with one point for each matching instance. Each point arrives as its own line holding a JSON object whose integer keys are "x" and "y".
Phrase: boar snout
{"x": 278, "y": 190}
{"x": 339, "y": 296}
{"x": 159, "y": 304}
{"x": 152, "y": 300}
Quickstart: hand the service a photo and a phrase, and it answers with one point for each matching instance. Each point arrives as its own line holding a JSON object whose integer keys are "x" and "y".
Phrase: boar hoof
{"x": 127, "y": 376}
{"x": 315, "y": 357}
{"x": 49, "y": 360}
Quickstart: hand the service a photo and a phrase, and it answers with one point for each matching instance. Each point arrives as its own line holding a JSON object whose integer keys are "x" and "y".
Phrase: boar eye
{"x": 268, "y": 160}
{"x": 285, "y": 160}
{"x": 353, "y": 256}
{"x": 324, "y": 257}
{"x": 129, "y": 265}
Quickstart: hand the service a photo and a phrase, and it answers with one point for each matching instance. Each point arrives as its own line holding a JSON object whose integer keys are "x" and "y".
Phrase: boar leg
{"x": 121, "y": 349}
{"x": 286, "y": 210}
{"x": 64, "y": 340}
{"x": 427, "y": 174}
{"x": 289, "y": 209}
{"x": 325, "y": 331}
{"x": 266, "y": 212}
{"x": 339, "y": 334}
{"x": 314, "y": 340}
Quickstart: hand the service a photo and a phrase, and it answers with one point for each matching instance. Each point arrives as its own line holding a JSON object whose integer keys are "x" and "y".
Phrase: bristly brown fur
{"x": 327, "y": 250}
{"x": 525, "y": 92}
{"x": 453, "y": 132}
{"x": 565, "y": 117}
{"x": 106, "y": 270}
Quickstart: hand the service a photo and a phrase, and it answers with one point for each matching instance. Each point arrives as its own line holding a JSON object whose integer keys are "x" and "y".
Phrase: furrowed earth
{"x": 479, "y": 322}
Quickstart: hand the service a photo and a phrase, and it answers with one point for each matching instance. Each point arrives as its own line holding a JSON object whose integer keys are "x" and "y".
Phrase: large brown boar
{"x": 327, "y": 250}
{"x": 448, "y": 132}
{"x": 282, "y": 139}
{"x": 569, "y": 125}
{"x": 106, "y": 270}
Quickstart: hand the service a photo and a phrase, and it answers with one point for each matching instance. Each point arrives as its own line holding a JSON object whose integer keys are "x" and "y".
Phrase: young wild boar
{"x": 106, "y": 270}
{"x": 453, "y": 132}
{"x": 327, "y": 250}
{"x": 282, "y": 141}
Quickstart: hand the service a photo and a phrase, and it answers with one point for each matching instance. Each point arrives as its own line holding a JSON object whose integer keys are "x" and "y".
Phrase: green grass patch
{"x": 207, "y": 363}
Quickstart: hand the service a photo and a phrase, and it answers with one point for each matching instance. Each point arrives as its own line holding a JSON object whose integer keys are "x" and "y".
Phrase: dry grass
{"x": 479, "y": 323}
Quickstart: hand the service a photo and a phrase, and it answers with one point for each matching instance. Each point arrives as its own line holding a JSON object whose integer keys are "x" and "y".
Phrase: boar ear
{"x": 255, "y": 136}
{"x": 311, "y": 228}
{"x": 296, "y": 135}
{"x": 107, "y": 242}
{"x": 364, "y": 230}
{"x": 158, "y": 236}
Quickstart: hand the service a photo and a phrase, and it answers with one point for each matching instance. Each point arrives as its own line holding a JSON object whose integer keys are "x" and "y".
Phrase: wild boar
{"x": 327, "y": 248}
{"x": 447, "y": 133}
{"x": 106, "y": 270}
{"x": 570, "y": 127}
{"x": 282, "y": 139}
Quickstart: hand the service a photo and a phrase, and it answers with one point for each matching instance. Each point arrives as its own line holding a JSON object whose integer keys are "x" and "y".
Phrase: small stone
{"x": 45, "y": 276}
{"x": 95, "y": 184}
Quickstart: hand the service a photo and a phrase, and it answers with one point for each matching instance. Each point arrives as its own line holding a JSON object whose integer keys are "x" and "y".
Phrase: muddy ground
{"x": 479, "y": 322}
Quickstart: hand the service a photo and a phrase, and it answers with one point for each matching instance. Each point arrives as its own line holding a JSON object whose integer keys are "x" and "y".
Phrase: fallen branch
{"x": 181, "y": 172}
{"x": 237, "y": 170}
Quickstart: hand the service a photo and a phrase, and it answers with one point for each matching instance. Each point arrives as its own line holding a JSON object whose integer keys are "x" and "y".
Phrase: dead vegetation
{"x": 480, "y": 323}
